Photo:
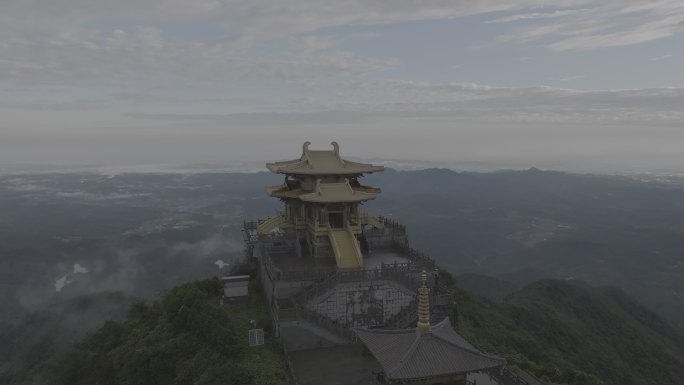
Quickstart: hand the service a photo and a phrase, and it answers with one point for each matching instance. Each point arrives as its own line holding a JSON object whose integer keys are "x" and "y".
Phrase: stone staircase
{"x": 346, "y": 248}
{"x": 269, "y": 224}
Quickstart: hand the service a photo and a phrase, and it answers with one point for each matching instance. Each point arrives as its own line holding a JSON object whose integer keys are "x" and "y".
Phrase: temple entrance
{"x": 336, "y": 220}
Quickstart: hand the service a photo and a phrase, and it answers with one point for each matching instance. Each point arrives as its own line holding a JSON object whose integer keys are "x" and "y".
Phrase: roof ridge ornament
{"x": 327, "y": 162}
{"x": 336, "y": 150}
{"x": 423, "y": 305}
{"x": 305, "y": 153}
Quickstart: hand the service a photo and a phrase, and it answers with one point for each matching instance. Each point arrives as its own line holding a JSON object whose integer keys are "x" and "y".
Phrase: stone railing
{"x": 308, "y": 274}
{"x": 404, "y": 274}
{"x": 409, "y": 313}
{"x": 405, "y": 317}
{"x": 506, "y": 376}
{"x": 301, "y": 313}
{"x": 311, "y": 274}
{"x": 414, "y": 255}
{"x": 270, "y": 223}
{"x": 392, "y": 223}
{"x": 249, "y": 233}
{"x": 336, "y": 248}
{"x": 389, "y": 232}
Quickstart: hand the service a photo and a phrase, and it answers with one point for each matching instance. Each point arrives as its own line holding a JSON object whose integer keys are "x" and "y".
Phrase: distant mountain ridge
{"x": 525, "y": 225}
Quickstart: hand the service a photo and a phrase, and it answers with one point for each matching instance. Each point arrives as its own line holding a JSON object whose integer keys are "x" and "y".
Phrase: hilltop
{"x": 565, "y": 332}
{"x": 570, "y": 332}
{"x": 30, "y": 341}
{"x": 184, "y": 337}
{"x": 148, "y": 234}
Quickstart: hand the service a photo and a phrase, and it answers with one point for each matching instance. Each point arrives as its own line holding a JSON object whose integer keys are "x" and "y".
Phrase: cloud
{"x": 601, "y": 25}
{"x": 145, "y": 55}
{"x": 662, "y": 57}
{"x": 538, "y": 15}
{"x": 326, "y": 116}
{"x": 126, "y": 42}
{"x": 457, "y": 101}
{"x": 51, "y": 105}
{"x": 572, "y": 77}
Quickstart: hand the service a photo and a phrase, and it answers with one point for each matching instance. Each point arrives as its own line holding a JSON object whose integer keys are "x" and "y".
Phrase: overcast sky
{"x": 561, "y": 84}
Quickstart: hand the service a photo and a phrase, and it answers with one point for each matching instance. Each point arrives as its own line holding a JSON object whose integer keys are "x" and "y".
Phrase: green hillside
{"x": 565, "y": 332}
{"x": 30, "y": 341}
{"x": 569, "y": 332}
{"x": 185, "y": 338}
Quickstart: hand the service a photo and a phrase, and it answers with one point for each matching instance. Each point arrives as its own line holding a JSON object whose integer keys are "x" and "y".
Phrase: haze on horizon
{"x": 583, "y": 85}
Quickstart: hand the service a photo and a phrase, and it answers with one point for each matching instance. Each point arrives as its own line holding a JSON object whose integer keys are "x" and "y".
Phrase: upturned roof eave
{"x": 393, "y": 369}
{"x": 295, "y": 167}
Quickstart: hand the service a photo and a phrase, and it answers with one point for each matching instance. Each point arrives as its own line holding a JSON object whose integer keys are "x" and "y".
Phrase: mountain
{"x": 495, "y": 289}
{"x": 565, "y": 332}
{"x": 601, "y": 330}
{"x": 571, "y": 333}
{"x": 146, "y": 233}
{"x": 522, "y": 226}
{"x": 186, "y": 337}
{"x": 31, "y": 341}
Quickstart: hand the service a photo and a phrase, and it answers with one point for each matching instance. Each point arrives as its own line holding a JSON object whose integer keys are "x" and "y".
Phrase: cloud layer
{"x": 125, "y": 42}
{"x": 129, "y": 68}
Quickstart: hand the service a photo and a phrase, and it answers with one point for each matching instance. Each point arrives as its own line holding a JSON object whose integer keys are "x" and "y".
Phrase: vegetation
{"x": 144, "y": 234}
{"x": 522, "y": 226}
{"x": 29, "y": 342}
{"x": 566, "y": 332}
{"x": 185, "y": 338}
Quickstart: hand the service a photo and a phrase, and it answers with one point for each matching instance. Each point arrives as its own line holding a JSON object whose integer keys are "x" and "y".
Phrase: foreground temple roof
{"x": 412, "y": 354}
{"x": 322, "y": 163}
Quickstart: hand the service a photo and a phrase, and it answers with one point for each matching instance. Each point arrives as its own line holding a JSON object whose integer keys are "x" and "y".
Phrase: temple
{"x": 322, "y": 194}
{"x": 340, "y": 281}
{"x": 427, "y": 354}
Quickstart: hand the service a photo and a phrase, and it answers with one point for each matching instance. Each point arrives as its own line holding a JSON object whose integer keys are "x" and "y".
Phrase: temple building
{"x": 427, "y": 354}
{"x": 338, "y": 278}
{"x": 322, "y": 194}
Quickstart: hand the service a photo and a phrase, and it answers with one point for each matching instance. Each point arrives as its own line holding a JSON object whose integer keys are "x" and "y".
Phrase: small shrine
{"x": 322, "y": 194}
{"x": 427, "y": 354}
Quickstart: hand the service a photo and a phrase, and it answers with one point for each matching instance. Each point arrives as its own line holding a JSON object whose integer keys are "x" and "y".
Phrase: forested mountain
{"x": 29, "y": 342}
{"x": 570, "y": 332}
{"x": 565, "y": 332}
{"x": 186, "y": 337}
{"x": 144, "y": 234}
{"x": 66, "y": 237}
{"x": 522, "y": 226}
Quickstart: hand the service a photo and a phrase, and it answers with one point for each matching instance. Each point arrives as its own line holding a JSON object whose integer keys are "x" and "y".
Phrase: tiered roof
{"x": 410, "y": 354}
{"x": 322, "y": 163}
{"x": 427, "y": 351}
{"x": 326, "y": 192}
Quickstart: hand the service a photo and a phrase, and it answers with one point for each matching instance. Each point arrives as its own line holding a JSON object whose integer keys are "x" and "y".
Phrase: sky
{"x": 568, "y": 84}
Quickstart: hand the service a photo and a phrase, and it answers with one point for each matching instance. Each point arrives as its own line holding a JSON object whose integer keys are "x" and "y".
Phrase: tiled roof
{"x": 411, "y": 354}
{"x": 327, "y": 192}
{"x": 322, "y": 163}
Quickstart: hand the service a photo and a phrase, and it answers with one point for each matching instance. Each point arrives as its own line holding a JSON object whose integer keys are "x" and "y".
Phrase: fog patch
{"x": 61, "y": 283}
{"x": 214, "y": 245}
{"x": 78, "y": 269}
